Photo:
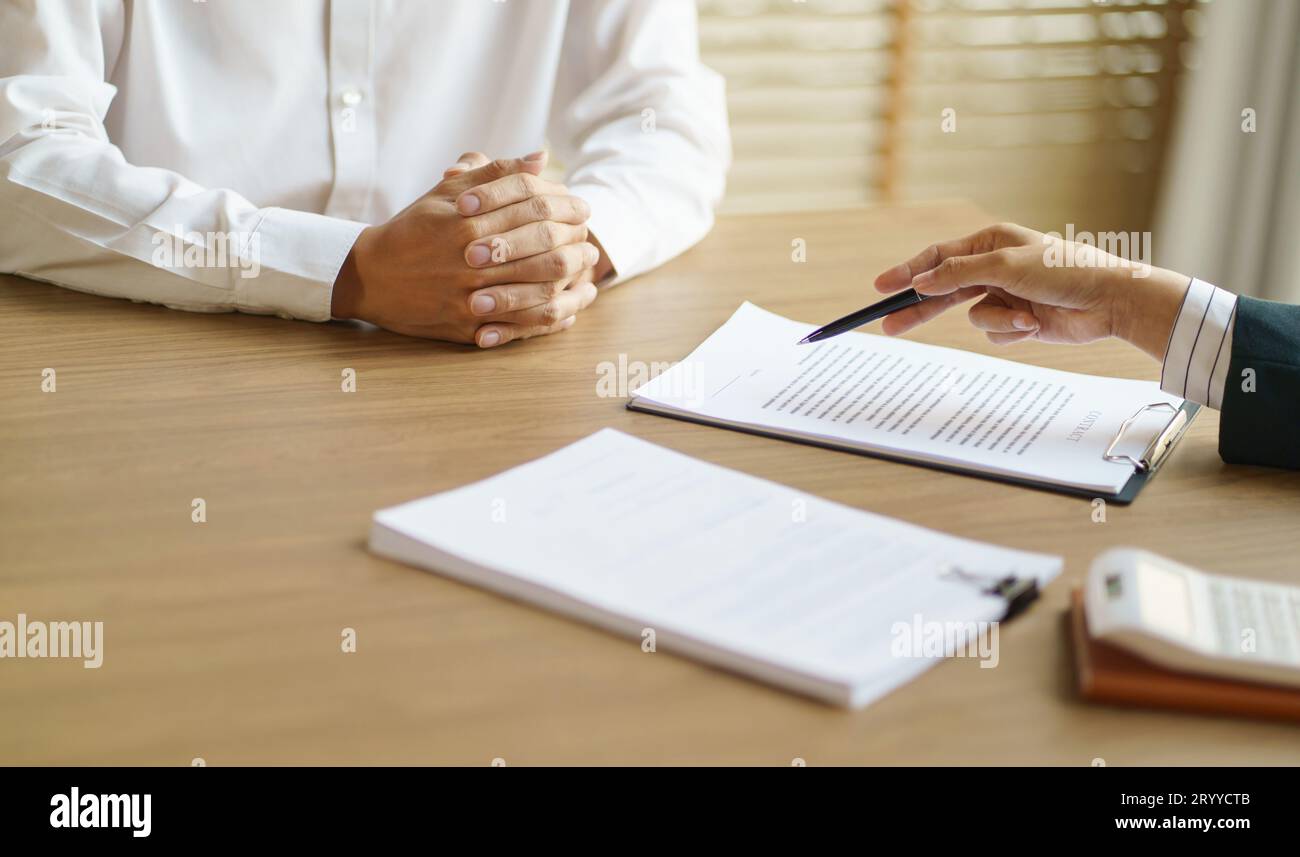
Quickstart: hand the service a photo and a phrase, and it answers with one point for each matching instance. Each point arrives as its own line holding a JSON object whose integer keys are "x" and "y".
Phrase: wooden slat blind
{"x": 1062, "y": 107}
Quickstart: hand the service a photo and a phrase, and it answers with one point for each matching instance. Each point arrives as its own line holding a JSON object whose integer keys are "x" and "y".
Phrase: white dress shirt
{"x": 1200, "y": 345}
{"x": 136, "y": 135}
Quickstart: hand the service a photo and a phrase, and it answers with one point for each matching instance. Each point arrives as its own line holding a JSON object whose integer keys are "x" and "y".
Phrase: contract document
{"x": 919, "y": 403}
{"x": 688, "y": 557}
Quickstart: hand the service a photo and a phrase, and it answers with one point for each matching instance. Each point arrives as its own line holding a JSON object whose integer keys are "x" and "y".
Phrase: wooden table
{"x": 222, "y": 639}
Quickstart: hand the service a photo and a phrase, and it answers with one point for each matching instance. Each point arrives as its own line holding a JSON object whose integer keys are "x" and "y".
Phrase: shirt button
{"x": 351, "y": 97}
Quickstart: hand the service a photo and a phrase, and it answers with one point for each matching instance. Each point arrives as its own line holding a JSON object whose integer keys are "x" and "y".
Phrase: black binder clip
{"x": 1017, "y": 592}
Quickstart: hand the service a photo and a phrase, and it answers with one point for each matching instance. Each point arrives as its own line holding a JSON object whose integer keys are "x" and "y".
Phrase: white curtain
{"x": 1229, "y": 210}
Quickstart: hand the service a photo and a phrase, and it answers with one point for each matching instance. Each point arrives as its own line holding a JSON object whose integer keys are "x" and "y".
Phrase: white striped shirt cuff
{"x": 1200, "y": 345}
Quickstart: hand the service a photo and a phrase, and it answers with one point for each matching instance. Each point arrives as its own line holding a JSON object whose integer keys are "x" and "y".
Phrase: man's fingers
{"x": 586, "y": 275}
{"x": 507, "y": 190}
{"x": 522, "y": 242}
{"x": 558, "y": 264}
{"x": 532, "y": 164}
{"x": 557, "y": 208}
{"x": 994, "y": 316}
{"x": 492, "y": 335}
{"x": 551, "y": 317}
{"x": 465, "y": 163}
{"x": 496, "y": 300}
{"x": 566, "y": 302}
{"x": 917, "y": 314}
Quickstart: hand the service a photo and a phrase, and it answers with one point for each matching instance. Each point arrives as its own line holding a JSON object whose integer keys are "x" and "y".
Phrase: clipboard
{"x": 1145, "y": 466}
{"x": 1157, "y": 451}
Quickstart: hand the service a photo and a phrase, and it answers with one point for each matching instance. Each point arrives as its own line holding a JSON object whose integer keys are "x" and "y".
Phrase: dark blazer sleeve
{"x": 1260, "y": 419}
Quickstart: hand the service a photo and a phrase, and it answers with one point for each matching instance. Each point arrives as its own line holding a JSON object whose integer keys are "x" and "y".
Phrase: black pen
{"x": 880, "y": 309}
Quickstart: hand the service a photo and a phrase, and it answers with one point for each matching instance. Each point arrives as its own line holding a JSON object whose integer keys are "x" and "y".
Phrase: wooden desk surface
{"x": 222, "y": 639}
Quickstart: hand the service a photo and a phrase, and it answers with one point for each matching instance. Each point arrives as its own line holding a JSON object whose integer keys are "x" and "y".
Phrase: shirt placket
{"x": 352, "y": 107}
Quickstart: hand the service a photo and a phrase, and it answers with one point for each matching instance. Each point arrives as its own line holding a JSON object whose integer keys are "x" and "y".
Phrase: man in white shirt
{"x": 234, "y": 154}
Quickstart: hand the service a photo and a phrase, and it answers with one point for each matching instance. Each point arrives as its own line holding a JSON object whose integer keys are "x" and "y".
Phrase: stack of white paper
{"x": 737, "y": 571}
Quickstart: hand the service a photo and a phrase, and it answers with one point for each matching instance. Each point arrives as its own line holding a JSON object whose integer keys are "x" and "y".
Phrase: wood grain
{"x": 223, "y": 638}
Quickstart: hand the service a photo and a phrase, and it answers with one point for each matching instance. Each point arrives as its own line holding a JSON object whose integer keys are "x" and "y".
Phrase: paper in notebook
{"x": 722, "y": 566}
{"x": 917, "y": 402}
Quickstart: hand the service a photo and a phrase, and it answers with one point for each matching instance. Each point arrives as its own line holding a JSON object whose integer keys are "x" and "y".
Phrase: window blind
{"x": 1042, "y": 111}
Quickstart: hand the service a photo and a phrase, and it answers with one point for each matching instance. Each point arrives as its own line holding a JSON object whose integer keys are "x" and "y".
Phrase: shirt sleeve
{"x": 641, "y": 128}
{"x": 1200, "y": 345}
{"x": 77, "y": 214}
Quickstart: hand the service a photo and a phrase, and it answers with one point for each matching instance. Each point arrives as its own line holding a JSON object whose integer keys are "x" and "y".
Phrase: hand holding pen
{"x": 1024, "y": 297}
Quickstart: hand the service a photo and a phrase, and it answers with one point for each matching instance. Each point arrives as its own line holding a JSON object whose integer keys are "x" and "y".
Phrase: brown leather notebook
{"x": 1110, "y": 674}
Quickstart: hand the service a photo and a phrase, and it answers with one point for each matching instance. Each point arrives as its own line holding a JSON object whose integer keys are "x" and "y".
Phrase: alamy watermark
{"x": 181, "y": 249}
{"x": 927, "y": 639}
{"x": 619, "y": 379}
{"x": 1098, "y": 250}
{"x": 35, "y": 639}
{"x": 131, "y": 811}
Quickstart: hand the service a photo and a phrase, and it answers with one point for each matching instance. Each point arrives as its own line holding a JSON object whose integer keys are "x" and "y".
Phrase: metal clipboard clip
{"x": 1159, "y": 447}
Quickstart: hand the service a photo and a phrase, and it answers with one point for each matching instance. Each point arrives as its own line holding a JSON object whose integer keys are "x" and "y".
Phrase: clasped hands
{"x": 491, "y": 254}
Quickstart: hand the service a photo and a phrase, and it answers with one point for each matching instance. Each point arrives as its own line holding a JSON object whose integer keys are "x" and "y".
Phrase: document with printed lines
{"x": 910, "y": 401}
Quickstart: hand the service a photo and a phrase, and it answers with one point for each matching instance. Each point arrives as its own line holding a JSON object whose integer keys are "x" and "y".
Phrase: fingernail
{"x": 1025, "y": 322}
{"x": 489, "y": 339}
{"x": 468, "y": 203}
{"x": 482, "y": 305}
{"x": 535, "y": 156}
{"x": 568, "y": 322}
{"x": 922, "y": 279}
{"x": 479, "y": 254}
{"x": 591, "y": 255}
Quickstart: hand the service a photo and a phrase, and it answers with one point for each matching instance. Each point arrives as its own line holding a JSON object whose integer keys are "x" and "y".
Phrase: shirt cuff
{"x": 624, "y": 238}
{"x": 1200, "y": 345}
{"x": 297, "y": 257}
